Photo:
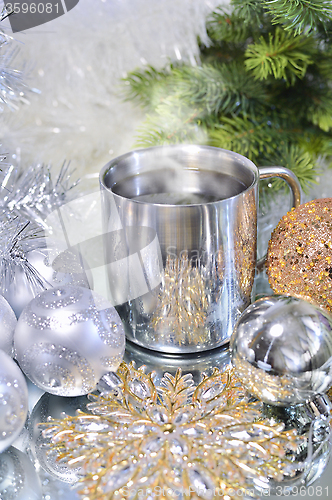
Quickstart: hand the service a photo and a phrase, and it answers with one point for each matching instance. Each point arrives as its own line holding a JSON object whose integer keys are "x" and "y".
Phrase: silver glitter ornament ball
{"x": 18, "y": 477}
{"x": 13, "y": 401}
{"x": 67, "y": 338}
{"x": 36, "y": 270}
{"x": 281, "y": 348}
{"x": 7, "y": 326}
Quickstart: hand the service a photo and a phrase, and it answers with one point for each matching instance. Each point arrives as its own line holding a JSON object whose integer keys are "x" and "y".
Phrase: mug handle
{"x": 292, "y": 181}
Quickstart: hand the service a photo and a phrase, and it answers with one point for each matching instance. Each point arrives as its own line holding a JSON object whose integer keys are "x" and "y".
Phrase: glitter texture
{"x": 140, "y": 436}
{"x": 12, "y": 475}
{"x": 57, "y": 368}
{"x": 299, "y": 259}
{"x": 13, "y": 401}
{"x": 62, "y": 337}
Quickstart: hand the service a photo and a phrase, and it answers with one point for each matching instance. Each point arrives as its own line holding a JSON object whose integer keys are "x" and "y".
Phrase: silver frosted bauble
{"x": 282, "y": 350}
{"x": 67, "y": 338}
{"x": 40, "y": 269}
{"x": 7, "y": 326}
{"x": 13, "y": 401}
{"x": 55, "y": 407}
{"x": 18, "y": 477}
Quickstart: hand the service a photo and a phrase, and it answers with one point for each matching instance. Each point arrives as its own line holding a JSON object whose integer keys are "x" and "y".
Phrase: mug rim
{"x": 249, "y": 164}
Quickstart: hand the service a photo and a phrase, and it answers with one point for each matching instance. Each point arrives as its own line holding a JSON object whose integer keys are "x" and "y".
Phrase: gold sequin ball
{"x": 299, "y": 258}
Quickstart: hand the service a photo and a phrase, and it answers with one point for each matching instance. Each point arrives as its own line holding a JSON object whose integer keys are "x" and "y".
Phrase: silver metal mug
{"x": 180, "y": 233}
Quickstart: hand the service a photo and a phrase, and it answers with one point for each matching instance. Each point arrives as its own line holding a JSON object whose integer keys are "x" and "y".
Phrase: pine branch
{"x": 146, "y": 86}
{"x": 323, "y": 62}
{"x": 282, "y": 56}
{"x": 307, "y": 104}
{"x": 173, "y": 122}
{"x": 293, "y": 157}
{"x": 250, "y": 11}
{"x": 242, "y": 135}
{"x": 224, "y": 26}
{"x": 224, "y": 88}
{"x": 299, "y": 16}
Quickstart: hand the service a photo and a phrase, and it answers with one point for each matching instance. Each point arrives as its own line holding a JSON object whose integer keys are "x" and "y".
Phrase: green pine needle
{"x": 293, "y": 157}
{"x": 172, "y": 122}
{"x": 283, "y": 56}
{"x": 223, "y": 26}
{"x": 242, "y": 135}
{"x": 224, "y": 88}
{"x": 319, "y": 107}
{"x": 146, "y": 86}
{"x": 299, "y": 15}
{"x": 249, "y": 11}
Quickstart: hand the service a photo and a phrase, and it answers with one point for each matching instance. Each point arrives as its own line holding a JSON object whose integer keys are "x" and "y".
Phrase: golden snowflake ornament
{"x": 174, "y": 438}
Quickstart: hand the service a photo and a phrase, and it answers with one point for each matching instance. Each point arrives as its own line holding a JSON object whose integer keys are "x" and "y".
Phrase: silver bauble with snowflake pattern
{"x": 67, "y": 338}
{"x": 282, "y": 350}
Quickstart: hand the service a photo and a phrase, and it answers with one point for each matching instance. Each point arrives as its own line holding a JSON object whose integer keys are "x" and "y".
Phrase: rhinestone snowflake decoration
{"x": 173, "y": 437}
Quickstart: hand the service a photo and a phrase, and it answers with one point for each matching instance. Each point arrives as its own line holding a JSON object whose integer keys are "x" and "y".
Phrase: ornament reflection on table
{"x": 282, "y": 350}
{"x": 67, "y": 338}
{"x": 49, "y": 407}
{"x": 13, "y": 402}
{"x": 18, "y": 477}
{"x": 299, "y": 254}
{"x": 139, "y": 435}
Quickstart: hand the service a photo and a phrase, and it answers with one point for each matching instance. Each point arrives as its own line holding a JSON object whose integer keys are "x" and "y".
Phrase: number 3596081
{"x": 32, "y": 8}
{"x": 301, "y": 491}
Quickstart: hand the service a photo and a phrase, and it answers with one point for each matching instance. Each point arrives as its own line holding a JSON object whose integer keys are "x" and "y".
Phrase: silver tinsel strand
{"x": 13, "y": 90}
{"x": 17, "y": 238}
{"x": 36, "y": 194}
{"x": 26, "y": 199}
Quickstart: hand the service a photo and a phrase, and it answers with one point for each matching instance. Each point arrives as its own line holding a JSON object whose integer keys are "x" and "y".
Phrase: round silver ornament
{"x": 18, "y": 477}
{"x": 53, "y": 407}
{"x": 13, "y": 401}
{"x": 67, "y": 338}
{"x": 7, "y": 326}
{"x": 37, "y": 270}
{"x": 282, "y": 350}
{"x": 30, "y": 265}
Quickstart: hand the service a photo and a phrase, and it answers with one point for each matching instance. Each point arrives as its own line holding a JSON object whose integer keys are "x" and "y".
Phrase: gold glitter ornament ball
{"x": 299, "y": 258}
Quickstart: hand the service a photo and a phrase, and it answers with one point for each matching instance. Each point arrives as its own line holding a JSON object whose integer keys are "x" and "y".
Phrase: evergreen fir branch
{"x": 242, "y": 135}
{"x": 249, "y": 11}
{"x": 294, "y": 158}
{"x": 317, "y": 105}
{"x": 320, "y": 114}
{"x": 225, "y": 88}
{"x": 326, "y": 148}
{"x": 323, "y": 33}
{"x": 283, "y": 56}
{"x": 323, "y": 62}
{"x": 172, "y": 123}
{"x": 224, "y": 26}
{"x": 146, "y": 86}
{"x": 316, "y": 145}
{"x": 299, "y": 16}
